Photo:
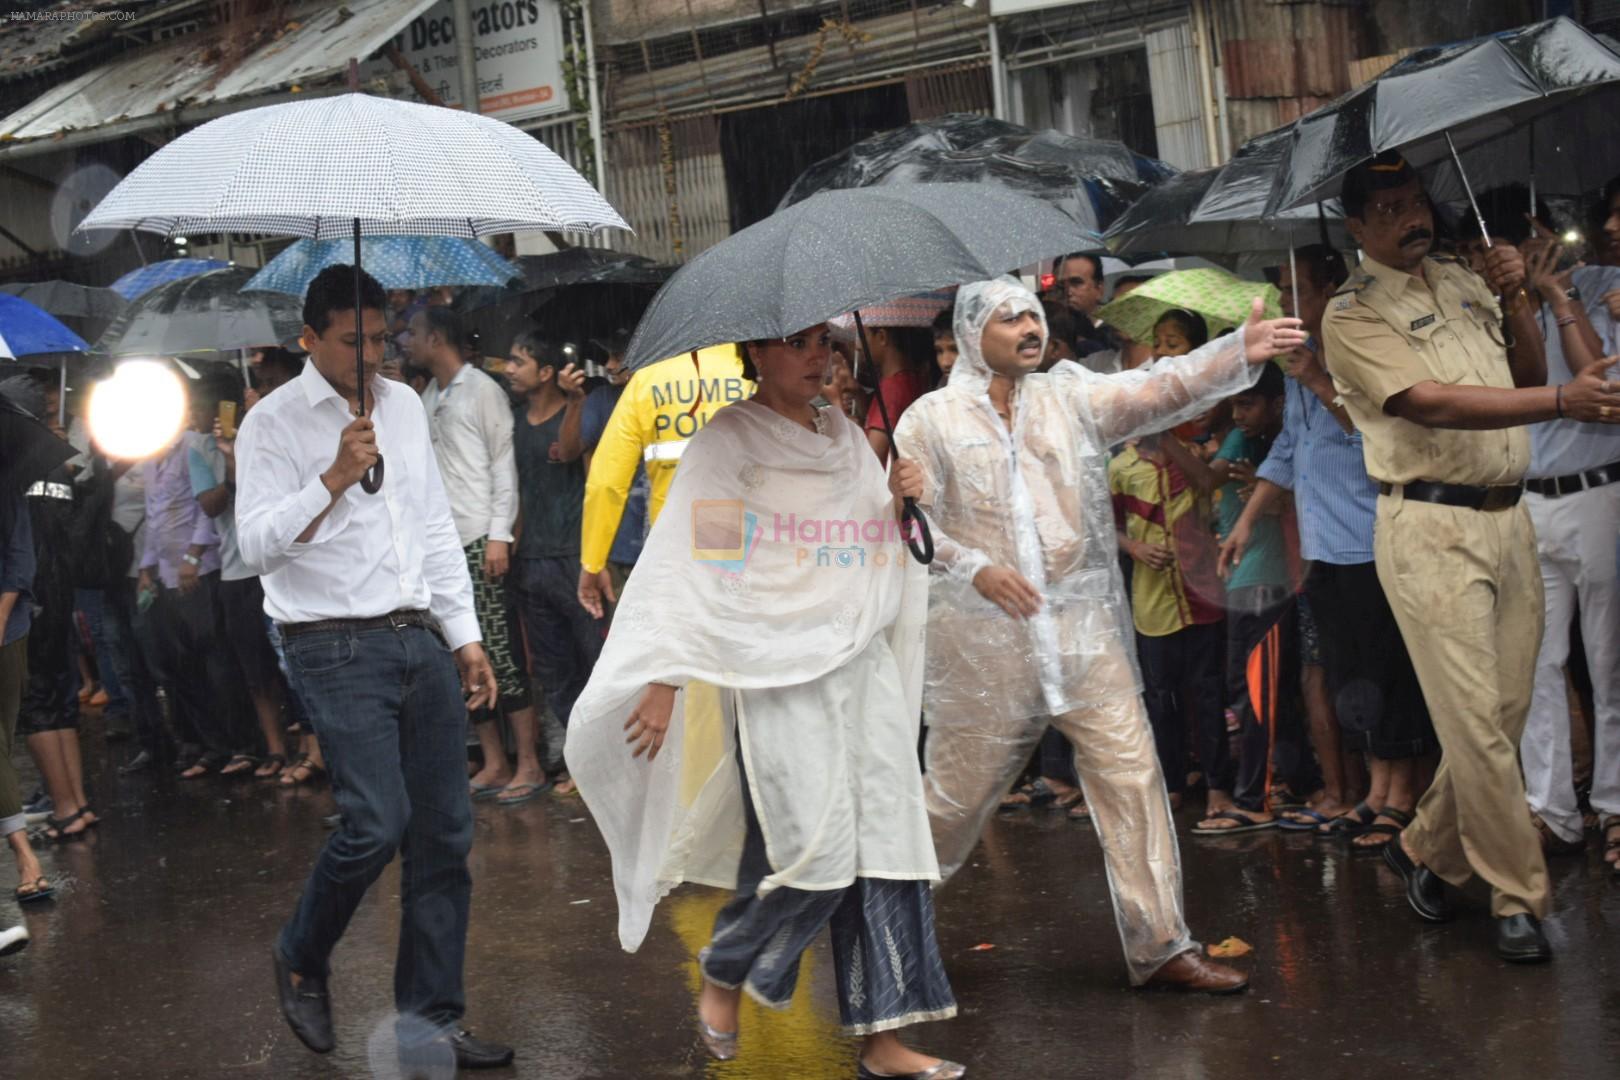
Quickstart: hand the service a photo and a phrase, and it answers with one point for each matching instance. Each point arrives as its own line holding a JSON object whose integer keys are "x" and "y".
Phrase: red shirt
{"x": 899, "y": 391}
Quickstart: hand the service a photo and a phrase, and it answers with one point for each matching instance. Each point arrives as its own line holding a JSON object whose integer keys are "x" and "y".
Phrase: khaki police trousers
{"x": 1465, "y": 586}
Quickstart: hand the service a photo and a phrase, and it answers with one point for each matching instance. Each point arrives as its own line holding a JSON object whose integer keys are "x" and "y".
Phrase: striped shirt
{"x": 1323, "y": 466}
{"x": 1561, "y": 447}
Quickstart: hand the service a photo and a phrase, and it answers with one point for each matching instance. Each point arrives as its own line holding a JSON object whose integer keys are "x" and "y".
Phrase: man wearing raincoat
{"x": 1028, "y": 623}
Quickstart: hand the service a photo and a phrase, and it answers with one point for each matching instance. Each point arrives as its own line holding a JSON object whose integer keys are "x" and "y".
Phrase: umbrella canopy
{"x": 84, "y": 309}
{"x": 137, "y": 283}
{"x": 1093, "y": 180}
{"x": 208, "y": 312}
{"x": 313, "y": 168}
{"x": 397, "y": 262}
{"x": 1222, "y": 300}
{"x": 1474, "y": 91}
{"x": 841, "y": 250}
{"x": 26, "y": 330}
{"x": 1220, "y": 213}
{"x": 571, "y": 295}
{"x": 28, "y": 450}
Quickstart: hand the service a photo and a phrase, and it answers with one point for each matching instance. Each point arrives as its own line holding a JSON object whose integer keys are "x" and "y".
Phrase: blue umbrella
{"x": 26, "y": 330}
{"x": 139, "y": 282}
{"x": 397, "y": 262}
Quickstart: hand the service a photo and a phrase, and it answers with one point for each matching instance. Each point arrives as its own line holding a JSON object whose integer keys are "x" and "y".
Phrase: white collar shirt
{"x": 470, "y": 420}
{"x": 373, "y": 554}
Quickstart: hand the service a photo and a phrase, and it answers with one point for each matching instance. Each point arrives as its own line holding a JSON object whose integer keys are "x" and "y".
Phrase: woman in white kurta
{"x": 765, "y": 661}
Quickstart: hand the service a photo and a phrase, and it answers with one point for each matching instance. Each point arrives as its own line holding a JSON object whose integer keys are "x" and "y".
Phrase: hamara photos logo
{"x": 726, "y": 535}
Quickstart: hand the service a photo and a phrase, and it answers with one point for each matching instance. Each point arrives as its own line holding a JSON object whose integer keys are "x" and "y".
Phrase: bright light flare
{"x": 1572, "y": 237}
{"x": 139, "y": 411}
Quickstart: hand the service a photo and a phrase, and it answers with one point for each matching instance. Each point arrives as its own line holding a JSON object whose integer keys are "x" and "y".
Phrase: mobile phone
{"x": 227, "y": 419}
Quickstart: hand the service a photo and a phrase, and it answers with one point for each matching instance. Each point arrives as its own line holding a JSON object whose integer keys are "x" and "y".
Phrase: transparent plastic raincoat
{"x": 1035, "y": 499}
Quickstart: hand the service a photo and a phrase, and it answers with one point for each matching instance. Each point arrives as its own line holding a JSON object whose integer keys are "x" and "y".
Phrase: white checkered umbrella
{"x": 353, "y": 165}
{"x": 312, "y": 168}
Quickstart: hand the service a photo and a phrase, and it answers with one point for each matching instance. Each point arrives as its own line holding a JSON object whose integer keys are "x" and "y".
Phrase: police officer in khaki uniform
{"x": 1440, "y": 385}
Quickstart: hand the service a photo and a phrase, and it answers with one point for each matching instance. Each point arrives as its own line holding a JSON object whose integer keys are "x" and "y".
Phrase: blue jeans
{"x": 124, "y": 627}
{"x": 91, "y": 603}
{"x": 387, "y": 708}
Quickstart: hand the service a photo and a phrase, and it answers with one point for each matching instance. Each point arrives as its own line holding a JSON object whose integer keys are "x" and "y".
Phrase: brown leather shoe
{"x": 1193, "y": 972}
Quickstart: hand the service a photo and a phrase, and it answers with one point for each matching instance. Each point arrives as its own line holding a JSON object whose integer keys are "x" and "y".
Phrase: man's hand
{"x": 356, "y": 453}
{"x": 571, "y": 381}
{"x": 593, "y": 588}
{"x": 1611, "y": 300}
{"x": 477, "y": 677}
{"x": 1305, "y": 366}
{"x": 146, "y": 582}
{"x": 1008, "y": 590}
{"x": 189, "y": 578}
{"x": 227, "y": 447}
{"x": 650, "y": 719}
{"x": 1233, "y": 549}
{"x": 1504, "y": 270}
{"x": 1593, "y": 396}
{"x": 497, "y": 559}
{"x": 1153, "y": 556}
{"x": 1541, "y": 254}
{"x": 1267, "y": 338}
{"x": 250, "y": 398}
{"x": 906, "y": 479}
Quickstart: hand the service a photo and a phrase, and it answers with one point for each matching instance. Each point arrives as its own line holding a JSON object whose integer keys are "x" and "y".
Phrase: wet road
{"x": 153, "y": 962}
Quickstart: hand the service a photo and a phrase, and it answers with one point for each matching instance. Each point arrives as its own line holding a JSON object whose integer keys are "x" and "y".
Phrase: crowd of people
{"x": 1350, "y": 574}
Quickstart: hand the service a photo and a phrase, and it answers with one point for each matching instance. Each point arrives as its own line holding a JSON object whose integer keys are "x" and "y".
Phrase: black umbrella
{"x": 1446, "y": 99}
{"x": 84, "y": 309}
{"x": 839, "y": 251}
{"x": 1094, "y": 180}
{"x": 575, "y": 294}
{"x": 1220, "y": 213}
{"x": 206, "y": 312}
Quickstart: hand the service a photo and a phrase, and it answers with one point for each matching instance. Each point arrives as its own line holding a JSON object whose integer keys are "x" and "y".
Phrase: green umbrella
{"x": 1223, "y": 300}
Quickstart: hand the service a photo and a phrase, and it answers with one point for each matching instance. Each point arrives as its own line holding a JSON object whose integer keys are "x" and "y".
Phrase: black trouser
{"x": 131, "y": 635}
{"x": 1376, "y": 694}
{"x": 206, "y": 714}
{"x": 50, "y": 699}
{"x": 1262, "y": 680}
{"x": 1181, "y": 676}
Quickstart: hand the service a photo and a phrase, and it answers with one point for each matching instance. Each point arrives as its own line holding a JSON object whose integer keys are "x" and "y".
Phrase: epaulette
{"x": 1441, "y": 257}
{"x": 1352, "y": 288}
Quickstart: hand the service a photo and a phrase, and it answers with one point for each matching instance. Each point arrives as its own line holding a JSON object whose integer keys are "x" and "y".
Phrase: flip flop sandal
{"x": 1023, "y": 798}
{"x": 1080, "y": 811}
{"x": 247, "y": 762}
{"x": 1379, "y": 828}
{"x": 1068, "y": 799}
{"x": 1283, "y": 798}
{"x": 529, "y": 792}
{"x": 312, "y": 771}
{"x": 1348, "y": 825}
{"x": 1290, "y": 824}
{"x": 485, "y": 791}
{"x": 42, "y": 890}
{"x": 280, "y": 763}
{"x": 1245, "y": 824}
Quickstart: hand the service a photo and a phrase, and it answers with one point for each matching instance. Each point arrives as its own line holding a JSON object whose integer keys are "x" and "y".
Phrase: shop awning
{"x": 149, "y": 88}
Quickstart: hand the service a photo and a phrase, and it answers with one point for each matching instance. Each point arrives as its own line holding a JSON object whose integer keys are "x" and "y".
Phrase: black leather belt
{"x": 1467, "y": 496}
{"x": 1554, "y": 486}
{"x": 394, "y": 620}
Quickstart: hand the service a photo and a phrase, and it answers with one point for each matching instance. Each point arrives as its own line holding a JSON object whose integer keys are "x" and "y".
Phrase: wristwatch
{"x": 192, "y": 559}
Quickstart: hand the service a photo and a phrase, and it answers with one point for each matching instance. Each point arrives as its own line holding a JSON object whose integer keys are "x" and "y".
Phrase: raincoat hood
{"x": 976, "y": 304}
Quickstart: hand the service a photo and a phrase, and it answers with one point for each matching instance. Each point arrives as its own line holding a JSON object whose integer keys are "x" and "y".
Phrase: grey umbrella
{"x": 84, "y": 309}
{"x": 839, "y": 251}
{"x": 202, "y": 313}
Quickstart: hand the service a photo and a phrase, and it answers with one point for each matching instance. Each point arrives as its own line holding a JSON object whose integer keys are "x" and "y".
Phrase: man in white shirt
{"x": 373, "y": 600}
{"x": 470, "y": 419}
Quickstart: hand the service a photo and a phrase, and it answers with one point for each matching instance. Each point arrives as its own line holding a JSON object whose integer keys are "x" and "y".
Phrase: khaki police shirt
{"x": 1385, "y": 332}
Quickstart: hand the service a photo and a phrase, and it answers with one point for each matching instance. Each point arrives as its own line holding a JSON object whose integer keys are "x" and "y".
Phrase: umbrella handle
{"x": 918, "y": 538}
{"x": 371, "y": 483}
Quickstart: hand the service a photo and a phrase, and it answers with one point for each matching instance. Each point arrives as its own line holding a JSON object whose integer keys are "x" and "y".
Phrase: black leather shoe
{"x": 1424, "y": 889}
{"x": 1519, "y": 940}
{"x": 473, "y": 1053}
{"x": 306, "y": 1006}
{"x": 431, "y": 1058}
{"x": 141, "y": 762}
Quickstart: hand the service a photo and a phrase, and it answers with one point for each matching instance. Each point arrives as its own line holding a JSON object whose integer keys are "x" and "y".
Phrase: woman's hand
{"x": 906, "y": 479}
{"x": 1267, "y": 338}
{"x": 1009, "y": 590}
{"x": 650, "y": 719}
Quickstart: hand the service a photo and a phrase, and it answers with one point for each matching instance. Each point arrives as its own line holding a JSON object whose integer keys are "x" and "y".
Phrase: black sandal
{"x": 55, "y": 830}
{"x": 278, "y": 760}
{"x": 1378, "y": 828}
{"x": 1347, "y": 826}
{"x": 313, "y": 773}
{"x": 42, "y": 890}
{"x": 248, "y": 761}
